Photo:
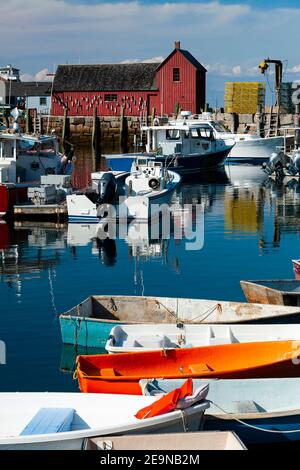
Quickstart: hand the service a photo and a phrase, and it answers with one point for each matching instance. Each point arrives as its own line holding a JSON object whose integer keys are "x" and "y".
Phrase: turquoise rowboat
{"x": 89, "y": 323}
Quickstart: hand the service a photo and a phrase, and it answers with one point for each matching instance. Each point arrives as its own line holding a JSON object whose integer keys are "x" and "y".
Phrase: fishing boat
{"x": 212, "y": 440}
{"x": 134, "y": 338}
{"x": 24, "y": 158}
{"x": 258, "y": 411}
{"x": 184, "y": 146}
{"x": 147, "y": 188}
{"x": 120, "y": 373}
{"x": 276, "y": 292}
{"x": 296, "y": 267}
{"x": 198, "y": 145}
{"x": 89, "y": 323}
{"x": 63, "y": 421}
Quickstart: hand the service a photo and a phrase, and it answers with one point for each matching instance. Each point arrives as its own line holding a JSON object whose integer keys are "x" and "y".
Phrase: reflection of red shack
{"x": 296, "y": 266}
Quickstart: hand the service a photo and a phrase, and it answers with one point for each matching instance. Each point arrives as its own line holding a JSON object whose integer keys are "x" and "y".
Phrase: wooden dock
{"x": 57, "y": 212}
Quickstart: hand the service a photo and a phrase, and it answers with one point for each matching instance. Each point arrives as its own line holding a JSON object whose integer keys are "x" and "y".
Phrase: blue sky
{"x": 229, "y": 37}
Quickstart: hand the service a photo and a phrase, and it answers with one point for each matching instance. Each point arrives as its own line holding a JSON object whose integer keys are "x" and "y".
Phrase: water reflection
{"x": 251, "y": 230}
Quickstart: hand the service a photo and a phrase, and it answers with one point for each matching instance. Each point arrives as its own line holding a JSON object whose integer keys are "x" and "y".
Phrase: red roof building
{"x": 139, "y": 87}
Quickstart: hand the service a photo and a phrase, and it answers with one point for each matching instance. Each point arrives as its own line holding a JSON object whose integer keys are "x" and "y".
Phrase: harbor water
{"x": 248, "y": 228}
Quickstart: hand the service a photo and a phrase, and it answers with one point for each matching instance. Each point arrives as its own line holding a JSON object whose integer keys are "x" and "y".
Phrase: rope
{"x": 216, "y": 307}
{"x": 271, "y": 431}
{"x": 207, "y": 314}
{"x": 51, "y": 291}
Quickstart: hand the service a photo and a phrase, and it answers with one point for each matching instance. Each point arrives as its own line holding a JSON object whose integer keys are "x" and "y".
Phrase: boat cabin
{"x": 180, "y": 139}
{"x": 147, "y": 175}
{"x": 25, "y": 158}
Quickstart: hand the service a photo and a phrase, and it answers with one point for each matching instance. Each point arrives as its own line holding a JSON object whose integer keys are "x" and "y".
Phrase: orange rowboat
{"x": 120, "y": 373}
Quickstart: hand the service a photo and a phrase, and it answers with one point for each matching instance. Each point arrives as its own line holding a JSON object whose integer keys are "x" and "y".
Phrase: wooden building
{"x": 138, "y": 87}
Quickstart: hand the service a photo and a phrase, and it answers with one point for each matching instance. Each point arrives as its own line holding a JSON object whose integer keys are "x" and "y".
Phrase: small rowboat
{"x": 296, "y": 266}
{"x": 269, "y": 408}
{"x": 120, "y": 373}
{"x": 89, "y": 323}
{"x": 277, "y": 292}
{"x": 212, "y": 440}
{"x": 64, "y": 421}
{"x": 134, "y": 338}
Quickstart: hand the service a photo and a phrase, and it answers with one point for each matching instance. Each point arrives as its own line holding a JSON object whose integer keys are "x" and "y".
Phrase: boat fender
{"x": 154, "y": 183}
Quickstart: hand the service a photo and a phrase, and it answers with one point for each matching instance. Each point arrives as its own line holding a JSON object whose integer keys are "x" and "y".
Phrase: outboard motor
{"x": 107, "y": 188}
{"x": 275, "y": 164}
{"x": 294, "y": 166}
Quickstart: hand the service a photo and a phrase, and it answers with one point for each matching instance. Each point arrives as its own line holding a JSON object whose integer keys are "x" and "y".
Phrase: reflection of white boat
{"x": 148, "y": 186}
{"x": 49, "y": 421}
{"x": 245, "y": 175}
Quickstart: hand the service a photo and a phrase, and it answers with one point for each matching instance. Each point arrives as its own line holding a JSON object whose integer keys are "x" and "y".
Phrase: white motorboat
{"x": 249, "y": 148}
{"x": 63, "y": 421}
{"x": 151, "y": 337}
{"x": 141, "y": 194}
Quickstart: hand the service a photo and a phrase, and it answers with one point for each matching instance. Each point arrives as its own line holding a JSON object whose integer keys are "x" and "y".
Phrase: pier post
{"x": 123, "y": 132}
{"x": 96, "y": 138}
{"x": 234, "y": 122}
{"x": 66, "y": 133}
{"x": 27, "y": 121}
{"x": 260, "y": 122}
{"x": 96, "y": 133}
{"x": 153, "y": 115}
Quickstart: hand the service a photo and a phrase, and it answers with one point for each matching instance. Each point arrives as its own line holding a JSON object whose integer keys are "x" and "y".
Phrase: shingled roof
{"x": 188, "y": 56}
{"x": 31, "y": 88}
{"x": 106, "y": 77}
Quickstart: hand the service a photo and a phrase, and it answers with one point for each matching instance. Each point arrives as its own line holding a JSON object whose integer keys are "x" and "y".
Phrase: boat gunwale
{"x": 258, "y": 415}
{"x": 285, "y": 311}
{"x": 282, "y": 292}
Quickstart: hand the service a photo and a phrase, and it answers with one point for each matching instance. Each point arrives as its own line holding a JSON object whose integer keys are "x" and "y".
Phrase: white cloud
{"x": 295, "y": 69}
{"x": 42, "y": 76}
{"x": 158, "y": 59}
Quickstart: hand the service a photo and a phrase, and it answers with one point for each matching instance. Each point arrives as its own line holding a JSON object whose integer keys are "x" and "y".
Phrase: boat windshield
{"x": 219, "y": 127}
{"x": 33, "y": 148}
{"x": 201, "y": 132}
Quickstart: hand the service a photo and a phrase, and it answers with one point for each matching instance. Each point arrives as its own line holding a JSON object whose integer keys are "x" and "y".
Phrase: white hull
{"x": 95, "y": 415}
{"x": 255, "y": 149}
{"x": 140, "y": 208}
{"x": 133, "y": 338}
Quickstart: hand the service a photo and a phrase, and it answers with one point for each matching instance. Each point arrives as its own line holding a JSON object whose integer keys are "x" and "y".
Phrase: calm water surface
{"x": 251, "y": 231}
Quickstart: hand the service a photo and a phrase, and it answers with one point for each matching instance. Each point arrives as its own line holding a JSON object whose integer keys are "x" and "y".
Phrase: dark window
{"x": 43, "y": 101}
{"x": 176, "y": 74}
{"x": 172, "y": 134}
{"x": 111, "y": 97}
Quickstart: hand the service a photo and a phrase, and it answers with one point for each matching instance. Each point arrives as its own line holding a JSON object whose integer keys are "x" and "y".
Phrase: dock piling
{"x": 123, "y": 132}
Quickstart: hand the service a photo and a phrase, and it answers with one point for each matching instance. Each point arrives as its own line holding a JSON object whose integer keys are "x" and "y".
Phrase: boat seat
{"x": 247, "y": 406}
{"x": 50, "y": 420}
{"x": 199, "y": 368}
{"x": 108, "y": 372}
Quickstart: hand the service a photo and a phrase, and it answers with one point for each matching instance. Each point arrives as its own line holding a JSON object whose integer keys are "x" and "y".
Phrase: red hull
{"x": 9, "y": 196}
